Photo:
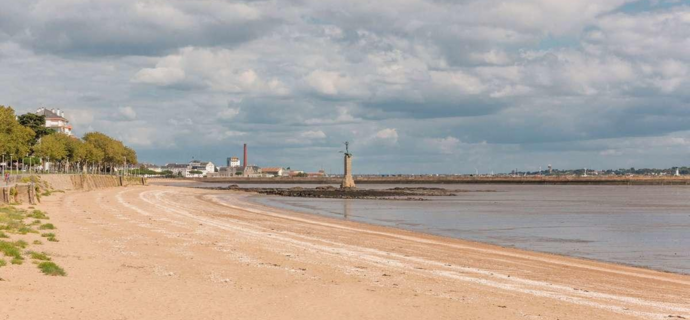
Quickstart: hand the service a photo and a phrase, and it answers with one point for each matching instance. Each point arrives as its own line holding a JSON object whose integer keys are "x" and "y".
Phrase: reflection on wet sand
{"x": 346, "y": 208}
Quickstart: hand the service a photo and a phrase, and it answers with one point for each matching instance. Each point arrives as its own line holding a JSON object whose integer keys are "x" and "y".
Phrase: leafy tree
{"x": 114, "y": 152}
{"x": 76, "y": 152}
{"x": 92, "y": 153}
{"x": 37, "y": 124}
{"x": 131, "y": 155}
{"x": 15, "y": 139}
{"x": 53, "y": 147}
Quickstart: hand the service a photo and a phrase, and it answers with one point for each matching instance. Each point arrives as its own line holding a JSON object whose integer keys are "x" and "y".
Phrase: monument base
{"x": 348, "y": 183}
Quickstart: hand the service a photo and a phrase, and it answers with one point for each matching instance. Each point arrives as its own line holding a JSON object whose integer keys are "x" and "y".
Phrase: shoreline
{"x": 252, "y": 199}
{"x": 532, "y": 180}
{"x": 153, "y": 252}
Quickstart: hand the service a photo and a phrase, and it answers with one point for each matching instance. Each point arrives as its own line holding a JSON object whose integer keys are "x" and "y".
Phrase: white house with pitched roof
{"x": 55, "y": 119}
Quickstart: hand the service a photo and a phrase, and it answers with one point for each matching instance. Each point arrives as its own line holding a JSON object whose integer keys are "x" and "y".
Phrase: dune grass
{"x": 39, "y": 256}
{"x": 12, "y": 250}
{"x": 12, "y": 222}
{"x": 49, "y": 236}
{"x": 37, "y": 214}
{"x": 47, "y": 226}
{"x": 51, "y": 269}
{"x": 21, "y": 243}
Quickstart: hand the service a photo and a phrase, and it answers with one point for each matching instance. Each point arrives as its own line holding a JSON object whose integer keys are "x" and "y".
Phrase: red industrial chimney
{"x": 244, "y": 164}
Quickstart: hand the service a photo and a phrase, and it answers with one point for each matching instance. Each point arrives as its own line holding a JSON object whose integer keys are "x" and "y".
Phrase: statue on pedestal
{"x": 348, "y": 181}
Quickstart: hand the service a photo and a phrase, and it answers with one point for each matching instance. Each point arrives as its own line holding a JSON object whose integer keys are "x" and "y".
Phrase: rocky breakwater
{"x": 400, "y": 193}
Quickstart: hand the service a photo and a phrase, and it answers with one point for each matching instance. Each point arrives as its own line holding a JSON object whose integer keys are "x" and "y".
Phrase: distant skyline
{"x": 418, "y": 86}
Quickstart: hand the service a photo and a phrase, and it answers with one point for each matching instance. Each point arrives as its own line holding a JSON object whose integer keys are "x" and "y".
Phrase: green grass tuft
{"x": 39, "y": 255}
{"x": 49, "y": 236}
{"x": 3, "y": 262}
{"x": 38, "y": 214}
{"x": 25, "y": 230}
{"x": 21, "y": 243}
{"x": 3, "y": 235}
{"x": 17, "y": 261}
{"x": 37, "y": 242}
{"x": 51, "y": 269}
{"x": 47, "y": 226}
{"x": 10, "y": 250}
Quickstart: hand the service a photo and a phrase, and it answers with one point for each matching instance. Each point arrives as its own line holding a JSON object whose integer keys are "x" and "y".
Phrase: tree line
{"x": 26, "y": 140}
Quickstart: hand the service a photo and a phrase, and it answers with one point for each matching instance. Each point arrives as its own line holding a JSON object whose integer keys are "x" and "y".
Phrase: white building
{"x": 272, "y": 172}
{"x": 55, "y": 119}
{"x": 204, "y": 167}
{"x": 233, "y": 162}
{"x": 178, "y": 169}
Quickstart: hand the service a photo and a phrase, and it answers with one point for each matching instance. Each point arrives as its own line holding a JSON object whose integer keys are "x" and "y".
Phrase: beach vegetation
{"x": 12, "y": 221}
{"x": 26, "y": 229}
{"x": 38, "y": 214}
{"x": 39, "y": 256}
{"x": 10, "y": 249}
{"x": 47, "y": 226}
{"x": 21, "y": 243}
{"x": 49, "y": 236}
{"x": 51, "y": 269}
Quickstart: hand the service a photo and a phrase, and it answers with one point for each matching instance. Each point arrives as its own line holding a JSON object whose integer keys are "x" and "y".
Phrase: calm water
{"x": 646, "y": 226}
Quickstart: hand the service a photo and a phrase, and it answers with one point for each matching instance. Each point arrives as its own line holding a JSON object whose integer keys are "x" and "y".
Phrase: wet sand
{"x": 644, "y": 226}
{"x": 165, "y": 252}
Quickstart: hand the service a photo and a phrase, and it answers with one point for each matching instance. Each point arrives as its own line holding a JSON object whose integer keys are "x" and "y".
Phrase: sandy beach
{"x": 160, "y": 252}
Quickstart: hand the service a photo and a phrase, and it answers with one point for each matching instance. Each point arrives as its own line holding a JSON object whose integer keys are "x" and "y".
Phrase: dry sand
{"x": 174, "y": 253}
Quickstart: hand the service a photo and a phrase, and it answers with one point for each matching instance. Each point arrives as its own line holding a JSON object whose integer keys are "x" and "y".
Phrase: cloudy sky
{"x": 416, "y": 86}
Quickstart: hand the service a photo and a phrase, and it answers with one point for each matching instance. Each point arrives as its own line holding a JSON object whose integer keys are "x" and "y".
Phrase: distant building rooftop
{"x": 51, "y": 114}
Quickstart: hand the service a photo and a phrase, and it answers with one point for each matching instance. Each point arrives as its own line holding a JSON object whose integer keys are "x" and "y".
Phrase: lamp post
{"x": 12, "y": 156}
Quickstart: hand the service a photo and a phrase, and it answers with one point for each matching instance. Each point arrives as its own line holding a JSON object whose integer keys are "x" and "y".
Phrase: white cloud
{"x": 447, "y": 145}
{"x": 159, "y": 76}
{"x": 457, "y": 80}
{"x": 327, "y": 82}
{"x": 313, "y": 134}
{"x": 231, "y": 133}
{"x": 343, "y": 117}
{"x": 229, "y": 113}
{"x": 127, "y": 113}
{"x": 388, "y": 135}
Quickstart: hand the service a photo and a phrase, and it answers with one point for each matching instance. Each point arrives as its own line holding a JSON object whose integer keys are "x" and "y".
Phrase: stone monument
{"x": 348, "y": 182}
